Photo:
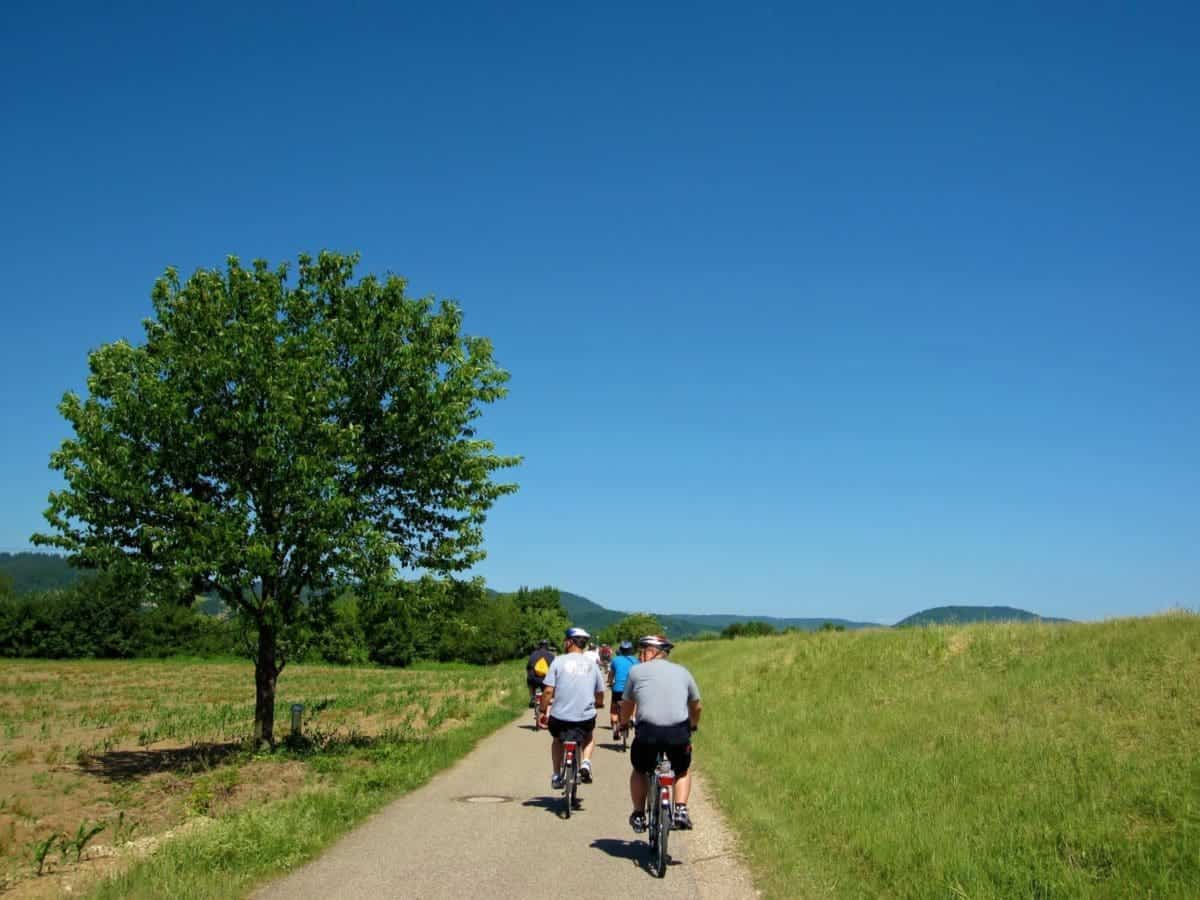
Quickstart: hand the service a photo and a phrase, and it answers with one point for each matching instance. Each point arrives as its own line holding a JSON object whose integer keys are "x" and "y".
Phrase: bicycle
{"x": 660, "y": 814}
{"x": 537, "y": 709}
{"x": 569, "y": 772}
{"x": 622, "y": 734}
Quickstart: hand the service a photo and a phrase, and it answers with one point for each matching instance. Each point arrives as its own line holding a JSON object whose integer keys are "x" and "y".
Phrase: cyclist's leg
{"x": 589, "y": 738}
{"x": 683, "y": 788}
{"x": 643, "y": 757}
{"x": 680, "y": 756}
{"x": 556, "y": 747}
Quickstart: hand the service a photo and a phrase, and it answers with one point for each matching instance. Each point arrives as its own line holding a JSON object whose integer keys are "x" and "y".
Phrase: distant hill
{"x": 594, "y": 617}
{"x": 948, "y": 615}
{"x": 37, "y": 571}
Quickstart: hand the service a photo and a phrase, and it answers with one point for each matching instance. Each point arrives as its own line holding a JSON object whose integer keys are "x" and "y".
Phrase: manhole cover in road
{"x": 485, "y": 798}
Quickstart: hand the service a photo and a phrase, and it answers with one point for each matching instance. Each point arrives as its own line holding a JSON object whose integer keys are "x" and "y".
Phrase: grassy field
{"x": 986, "y": 761}
{"x": 144, "y": 750}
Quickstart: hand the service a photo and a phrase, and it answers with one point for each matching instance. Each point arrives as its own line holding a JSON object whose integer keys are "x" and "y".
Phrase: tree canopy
{"x": 270, "y": 439}
{"x": 631, "y": 628}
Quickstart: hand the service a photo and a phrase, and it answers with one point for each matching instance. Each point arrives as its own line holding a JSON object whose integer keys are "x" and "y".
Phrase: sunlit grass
{"x": 145, "y": 747}
{"x": 995, "y": 760}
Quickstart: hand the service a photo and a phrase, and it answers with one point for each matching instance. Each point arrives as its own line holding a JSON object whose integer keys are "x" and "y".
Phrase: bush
{"x": 748, "y": 629}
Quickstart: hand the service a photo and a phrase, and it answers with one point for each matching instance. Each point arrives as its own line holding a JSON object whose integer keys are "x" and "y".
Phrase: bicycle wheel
{"x": 569, "y": 785}
{"x": 662, "y": 827}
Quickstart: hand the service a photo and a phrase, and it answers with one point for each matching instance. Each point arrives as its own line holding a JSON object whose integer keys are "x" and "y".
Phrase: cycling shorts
{"x": 534, "y": 682}
{"x": 585, "y": 728}
{"x": 675, "y": 740}
{"x": 616, "y": 700}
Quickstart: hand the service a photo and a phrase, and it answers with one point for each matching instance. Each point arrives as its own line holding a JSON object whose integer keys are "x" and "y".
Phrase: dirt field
{"x": 142, "y": 749}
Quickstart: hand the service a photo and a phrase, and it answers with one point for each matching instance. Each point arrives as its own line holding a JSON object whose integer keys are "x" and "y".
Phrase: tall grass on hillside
{"x": 992, "y": 760}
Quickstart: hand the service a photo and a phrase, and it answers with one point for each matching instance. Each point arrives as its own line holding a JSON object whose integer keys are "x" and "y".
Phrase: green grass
{"x": 979, "y": 761}
{"x": 146, "y": 748}
{"x": 228, "y": 858}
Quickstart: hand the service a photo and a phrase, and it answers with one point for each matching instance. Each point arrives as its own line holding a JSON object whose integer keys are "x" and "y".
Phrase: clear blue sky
{"x": 847, "y": 312}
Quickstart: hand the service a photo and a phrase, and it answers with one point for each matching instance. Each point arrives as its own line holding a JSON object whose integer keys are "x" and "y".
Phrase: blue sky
{"x": 839, "y": 312}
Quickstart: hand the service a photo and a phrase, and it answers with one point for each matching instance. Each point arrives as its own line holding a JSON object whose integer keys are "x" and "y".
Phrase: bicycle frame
{"x": 660, "y": 813}
{"x": 570, "y": 774}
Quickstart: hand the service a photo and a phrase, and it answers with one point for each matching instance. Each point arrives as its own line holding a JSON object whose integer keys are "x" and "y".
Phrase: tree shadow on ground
{"x": 122, "y": 765}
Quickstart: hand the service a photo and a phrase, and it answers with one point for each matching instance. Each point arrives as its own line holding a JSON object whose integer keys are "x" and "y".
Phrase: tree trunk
{"x": 265, "y": 674}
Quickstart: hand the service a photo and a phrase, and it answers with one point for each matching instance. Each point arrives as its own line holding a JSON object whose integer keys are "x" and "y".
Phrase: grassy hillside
{"x": 990, "y": 760}
{"x": 949, "y": 615}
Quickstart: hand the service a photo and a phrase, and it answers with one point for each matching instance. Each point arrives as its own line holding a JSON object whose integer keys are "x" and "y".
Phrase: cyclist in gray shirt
{"x": 666, "y": 700}
{"x": 572, "y": 691}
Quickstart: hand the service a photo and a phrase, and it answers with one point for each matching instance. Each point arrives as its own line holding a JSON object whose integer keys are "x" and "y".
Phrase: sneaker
{"x": 682, "y": 819}
{"x": 585, "y": 772}
{"x": 556, "y": 781}
{"x": 637, "y": 821}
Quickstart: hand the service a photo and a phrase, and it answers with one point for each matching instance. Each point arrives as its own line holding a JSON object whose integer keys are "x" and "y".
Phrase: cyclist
{"x": 537, "y": 666}
{"x": 666, "y": 700}
{"x": 618, "y": 671}
{"x": 592, "y": 653}
{"x": 606, "y": 656}
{"x": 571, "y": 695}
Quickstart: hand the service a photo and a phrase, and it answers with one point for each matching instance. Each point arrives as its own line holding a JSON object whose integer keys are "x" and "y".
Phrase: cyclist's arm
{"x": 547, "y": 698}
{"x": 694, "y": 709}
{"x": 628, "y": 707}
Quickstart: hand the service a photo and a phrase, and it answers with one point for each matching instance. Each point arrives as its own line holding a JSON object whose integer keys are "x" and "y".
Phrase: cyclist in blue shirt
{"x": 618, "y": 671}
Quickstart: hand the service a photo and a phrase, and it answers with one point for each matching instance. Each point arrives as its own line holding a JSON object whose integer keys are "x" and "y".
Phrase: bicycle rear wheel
{"x": 570, "y": 783}
{"x": 661, "y": 857}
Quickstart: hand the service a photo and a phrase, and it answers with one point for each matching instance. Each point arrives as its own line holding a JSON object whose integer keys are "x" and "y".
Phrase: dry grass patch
{"x": 142, "y": 749}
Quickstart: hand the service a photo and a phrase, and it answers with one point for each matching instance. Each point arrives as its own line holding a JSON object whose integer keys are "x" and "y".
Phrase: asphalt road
{"x": 434, "y": 842}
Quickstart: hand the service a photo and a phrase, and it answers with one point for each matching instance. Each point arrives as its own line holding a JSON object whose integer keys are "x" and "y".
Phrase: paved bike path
{"x": 431, "y": 843}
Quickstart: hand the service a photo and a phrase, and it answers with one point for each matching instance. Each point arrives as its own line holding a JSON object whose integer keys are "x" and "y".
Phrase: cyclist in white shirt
{"x": 573, "y": 690}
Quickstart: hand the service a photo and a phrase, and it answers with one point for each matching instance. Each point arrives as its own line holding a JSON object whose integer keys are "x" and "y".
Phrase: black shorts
{"x": 585, "y": 728}
{"x": 616, "y": 698}
{"x": 675, "y": 740}
{"x": 534, "y": 682}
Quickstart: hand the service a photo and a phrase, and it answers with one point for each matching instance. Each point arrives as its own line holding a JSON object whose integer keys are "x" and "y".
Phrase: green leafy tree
{"x": 631, "y": 628}
{"x": 747, "y": 629}
{"x": 542, "y": 615}
{"x": 273, "y": 437}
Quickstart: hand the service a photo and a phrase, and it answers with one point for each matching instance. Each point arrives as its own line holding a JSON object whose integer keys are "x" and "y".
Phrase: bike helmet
{"x": 543, "y": 643}
{"x": 656, "y": 641}
{"x": 626, "y": 645}
{"x": 577, "y": 633}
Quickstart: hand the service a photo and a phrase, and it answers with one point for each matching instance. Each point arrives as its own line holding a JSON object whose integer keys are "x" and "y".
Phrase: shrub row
{"x": 419, "y": 620}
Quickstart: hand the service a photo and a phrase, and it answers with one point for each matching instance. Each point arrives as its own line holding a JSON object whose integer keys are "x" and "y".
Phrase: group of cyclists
{"x": 659, "y": 695}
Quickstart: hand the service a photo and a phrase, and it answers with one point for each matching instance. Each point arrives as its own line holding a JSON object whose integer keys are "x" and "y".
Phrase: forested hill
{"x": 47, "y": 571}
{"x": 955, "y": 615}
{"x": 37, "y": 571}
{"x": 593, "y": 617}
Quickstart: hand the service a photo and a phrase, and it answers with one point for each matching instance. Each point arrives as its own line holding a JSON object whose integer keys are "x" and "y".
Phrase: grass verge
{"x": 982, "y": 761}
{"x": 101, "y": 761}
{"x": 229, "y": 857}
